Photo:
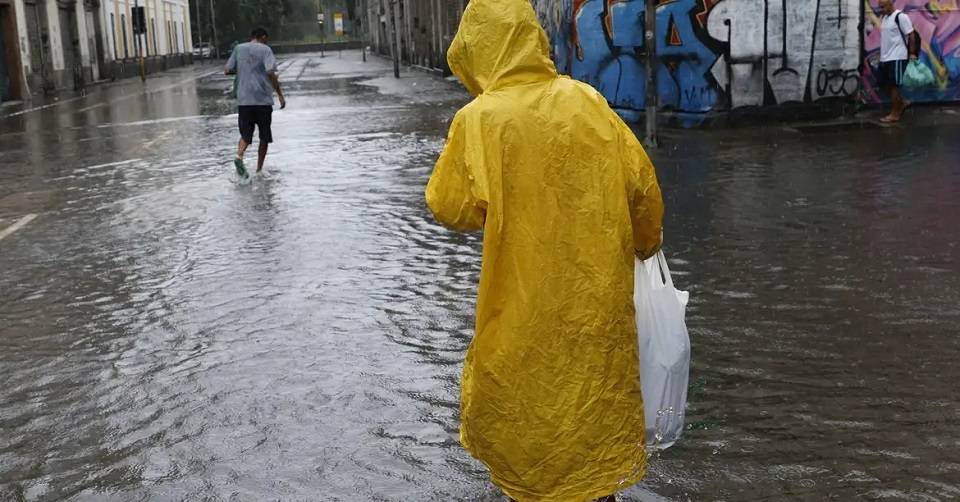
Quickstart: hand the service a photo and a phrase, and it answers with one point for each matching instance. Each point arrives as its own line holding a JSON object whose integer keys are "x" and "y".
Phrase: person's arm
{"x": 231, "y": 66}
{"x": 906, "y": 27}
{"x": 643, "y": 190}
{"x": 270, "y": 63}
{"x": 454, "y": 194}
{"x": 275, "y": 82}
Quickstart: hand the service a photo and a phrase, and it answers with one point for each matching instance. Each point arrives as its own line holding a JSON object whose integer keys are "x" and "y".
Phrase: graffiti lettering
{"x": 608, "y": 50}
{"x": 772, "y": 44}
{"x": 838, "y": 82}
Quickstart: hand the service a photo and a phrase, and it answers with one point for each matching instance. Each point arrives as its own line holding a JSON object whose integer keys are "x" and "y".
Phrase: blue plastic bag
{"x": 918, "y": 76}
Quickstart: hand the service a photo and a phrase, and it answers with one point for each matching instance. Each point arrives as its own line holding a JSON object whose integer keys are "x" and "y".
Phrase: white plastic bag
{"x": 664, "y": 350}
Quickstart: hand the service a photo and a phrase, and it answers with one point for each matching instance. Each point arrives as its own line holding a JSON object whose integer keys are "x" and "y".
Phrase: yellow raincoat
{"x": 565, "y": 196}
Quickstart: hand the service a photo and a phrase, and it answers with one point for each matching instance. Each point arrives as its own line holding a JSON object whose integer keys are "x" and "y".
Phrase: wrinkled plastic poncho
{"x": 565, "y": 196}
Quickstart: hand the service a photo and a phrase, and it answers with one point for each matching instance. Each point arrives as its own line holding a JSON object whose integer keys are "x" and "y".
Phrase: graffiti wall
{"x": 938, "y": 23}
{"x": 714, "y": 54}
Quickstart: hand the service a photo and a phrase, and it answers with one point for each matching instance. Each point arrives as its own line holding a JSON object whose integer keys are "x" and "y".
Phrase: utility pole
{"x": 364, "y": 23}
{"x": 652, "y": 140}
{"x": 138, "y": 29}
{"x": 396, "y": 38}
{"x": 321, "y": 22}
{"x": 199, "y": 30}
{"x": 213, "y": 22}
{"x": 435, "y": 57}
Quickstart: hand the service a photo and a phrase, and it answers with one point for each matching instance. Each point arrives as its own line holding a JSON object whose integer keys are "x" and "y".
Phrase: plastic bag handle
{"x": 665, "y": 269}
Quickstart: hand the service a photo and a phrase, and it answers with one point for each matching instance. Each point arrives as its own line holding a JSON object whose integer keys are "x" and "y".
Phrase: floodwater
{"x": 167, "y": 333}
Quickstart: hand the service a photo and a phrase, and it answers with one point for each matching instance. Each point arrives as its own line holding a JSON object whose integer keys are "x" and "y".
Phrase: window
{"x": 113, "y": 35}
{"x": 126, "y": 46}
{"x": 169, "y": 37}
{"x": 153, "y": 24}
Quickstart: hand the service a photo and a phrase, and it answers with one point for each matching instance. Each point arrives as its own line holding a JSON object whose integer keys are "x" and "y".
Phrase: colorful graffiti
{"x": 938, "y": 22}
{"x": 721, "y": 54}
{"x": 712, "y": 53}
{"x": 607, "y": 49}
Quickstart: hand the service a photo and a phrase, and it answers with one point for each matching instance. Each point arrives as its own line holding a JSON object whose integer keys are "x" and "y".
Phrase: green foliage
{"x": 287, "y": 20}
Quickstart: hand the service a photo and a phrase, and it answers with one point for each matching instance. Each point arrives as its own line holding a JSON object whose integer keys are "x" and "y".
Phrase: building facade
{"x": 56, "y": 45}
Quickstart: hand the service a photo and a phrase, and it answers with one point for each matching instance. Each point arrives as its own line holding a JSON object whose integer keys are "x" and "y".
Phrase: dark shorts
{"x": 259, "y": 117}
{"x": 891, "y": 73}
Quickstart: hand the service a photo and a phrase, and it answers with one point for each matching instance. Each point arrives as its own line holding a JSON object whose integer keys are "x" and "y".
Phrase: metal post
{"x": 321, "y": 22}
{"x": 199, "y": 31}
{"x": 652, "y": 140}
{"x": 435, "y": 58}
{"x": 213, "y": 22}
{"x": 136, "y": 33}
{"x": 396, "y": 38}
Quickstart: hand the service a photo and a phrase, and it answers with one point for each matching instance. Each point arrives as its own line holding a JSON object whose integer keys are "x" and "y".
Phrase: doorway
{"x": 11, "y": 77}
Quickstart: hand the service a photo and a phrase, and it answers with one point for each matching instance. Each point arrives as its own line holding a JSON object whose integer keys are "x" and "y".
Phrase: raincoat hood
{"x": 500, "y": 43}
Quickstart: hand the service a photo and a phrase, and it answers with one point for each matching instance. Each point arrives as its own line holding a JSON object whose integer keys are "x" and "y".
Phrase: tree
{"x": 283, "y": 19}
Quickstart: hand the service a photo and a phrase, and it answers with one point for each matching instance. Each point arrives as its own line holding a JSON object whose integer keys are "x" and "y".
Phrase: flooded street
{"x": 167, "y": 333}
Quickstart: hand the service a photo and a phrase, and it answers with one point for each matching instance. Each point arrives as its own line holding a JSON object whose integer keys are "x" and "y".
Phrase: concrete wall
{"x": 714, "y": 54}
{"x": 726, "y": 54}
{"x": 293, "y": 48}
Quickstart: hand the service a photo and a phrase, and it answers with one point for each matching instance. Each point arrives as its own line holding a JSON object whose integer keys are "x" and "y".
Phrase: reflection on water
{"x": 824, "y": 300}
{"x": 168, "y": 334}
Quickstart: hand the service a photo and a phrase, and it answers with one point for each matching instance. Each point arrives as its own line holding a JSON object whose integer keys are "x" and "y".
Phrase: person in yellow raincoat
{"x": 566, "y": 197}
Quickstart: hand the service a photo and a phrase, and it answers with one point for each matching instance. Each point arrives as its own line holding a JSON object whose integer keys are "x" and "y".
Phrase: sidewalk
{"x": 102, "y": 88}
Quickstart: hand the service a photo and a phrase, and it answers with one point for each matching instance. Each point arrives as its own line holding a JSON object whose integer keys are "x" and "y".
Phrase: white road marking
{"x": 156, "y": 121}
{"x": 17, "y": 226}
{"x": 87, "y": 109}
{"x": 113, "y": 164}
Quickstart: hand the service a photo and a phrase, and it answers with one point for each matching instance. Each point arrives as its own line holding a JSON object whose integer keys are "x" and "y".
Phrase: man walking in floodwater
{"x": 257, "y": 80}
{"x": 566, "y": 197}
{"x": 897, "y": 44}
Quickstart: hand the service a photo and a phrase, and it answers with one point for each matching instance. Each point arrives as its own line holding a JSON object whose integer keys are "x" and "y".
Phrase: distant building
{"x": 54, "y": 45}
{"x": 337, "y": 19}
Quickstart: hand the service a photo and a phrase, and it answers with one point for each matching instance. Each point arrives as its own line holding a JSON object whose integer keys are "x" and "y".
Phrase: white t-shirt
{"x": 892, "y": 46}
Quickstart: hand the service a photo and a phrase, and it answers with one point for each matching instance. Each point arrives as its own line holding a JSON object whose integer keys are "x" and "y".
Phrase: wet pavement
{"x": 167, "y": 333}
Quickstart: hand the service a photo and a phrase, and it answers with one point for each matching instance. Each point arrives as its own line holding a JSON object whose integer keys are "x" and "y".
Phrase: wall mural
{"x": 938, "y": 22}
{"x": 719, "y": 54}
{"x": 607, "y": 46}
